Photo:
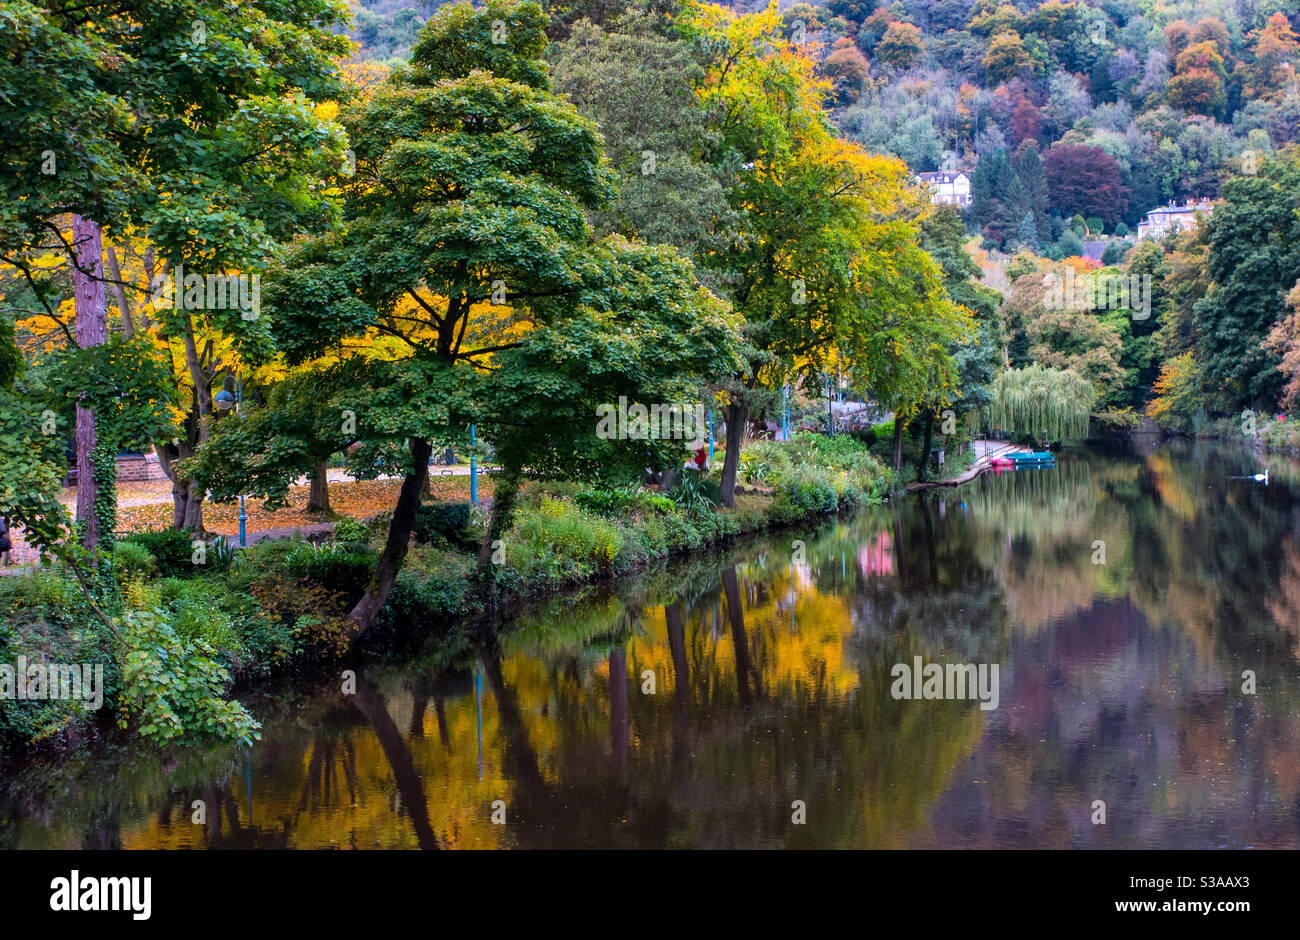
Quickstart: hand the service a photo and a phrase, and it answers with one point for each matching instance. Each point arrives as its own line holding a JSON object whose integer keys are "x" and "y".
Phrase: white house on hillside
{"x": 1171, "y": 218}
{"x": 947, "y": 187}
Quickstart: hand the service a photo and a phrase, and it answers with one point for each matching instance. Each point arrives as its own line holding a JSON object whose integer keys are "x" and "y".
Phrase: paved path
{"x": 985, "y": 453}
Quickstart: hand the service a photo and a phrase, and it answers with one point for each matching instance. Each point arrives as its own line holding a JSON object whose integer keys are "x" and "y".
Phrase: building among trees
{"x": 1160, "y": 222}
{"x": 947, "y": 187}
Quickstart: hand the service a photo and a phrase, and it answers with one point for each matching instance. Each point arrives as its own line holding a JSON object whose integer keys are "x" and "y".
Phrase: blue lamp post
{"x": 473, "y": 469}
{"x": 785, "y": 416}
{"x": 224, "y": 401}
{"x": 710, "y": 437}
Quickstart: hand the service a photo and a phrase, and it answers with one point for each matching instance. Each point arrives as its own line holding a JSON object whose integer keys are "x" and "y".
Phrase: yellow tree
{"x": 826, "y": 255}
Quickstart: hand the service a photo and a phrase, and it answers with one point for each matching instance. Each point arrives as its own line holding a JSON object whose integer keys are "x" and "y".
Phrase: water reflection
{"x": 692, "y": 706}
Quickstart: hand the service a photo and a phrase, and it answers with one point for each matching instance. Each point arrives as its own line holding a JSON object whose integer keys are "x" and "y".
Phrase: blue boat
{"x": 1034, "y": 459}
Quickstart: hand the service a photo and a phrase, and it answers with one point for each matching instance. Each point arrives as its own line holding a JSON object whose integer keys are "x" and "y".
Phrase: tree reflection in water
{"x": 1119, "y": 681}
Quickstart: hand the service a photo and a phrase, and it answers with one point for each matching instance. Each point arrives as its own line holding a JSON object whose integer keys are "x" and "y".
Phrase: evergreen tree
{"x": 1028, "y": 235}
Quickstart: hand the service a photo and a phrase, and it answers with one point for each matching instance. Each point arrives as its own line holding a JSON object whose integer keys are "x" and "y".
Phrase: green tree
{"x": 191, "y": 124}
{"x": 1253, "y": 261}
{"x": 637, "y": 78}
{"x": 464, "y": 288}
{"x": 826, "y": 262}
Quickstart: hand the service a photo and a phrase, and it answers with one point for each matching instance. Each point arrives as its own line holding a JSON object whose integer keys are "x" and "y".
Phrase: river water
{"x": 746, "y": 699}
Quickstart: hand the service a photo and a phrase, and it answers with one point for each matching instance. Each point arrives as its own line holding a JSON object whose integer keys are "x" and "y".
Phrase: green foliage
{"x": 351, "y": 530}
{"x": 615, "y": 501}
{"x": 753, "y": 469}
{"x": 131, "y": 560}
{"x": 442, "y": 521}
{"x": 172, "y": 685}
{"x": 1041, "y": 402}
{"x": 557, "y": 540}
{"x": 30, "y": 469}
{"x": 1253, "y": 261}
{"x": 814, "y": 473}
{"x": 335, "y": 566}
{"x": 694, "y": 493}
{"x": 172, "y": 551}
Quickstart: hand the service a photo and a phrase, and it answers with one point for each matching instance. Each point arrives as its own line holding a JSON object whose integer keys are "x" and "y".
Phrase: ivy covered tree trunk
{"x": 104, "y": 460}
{"x": 318, "y": 499}
{"x": 505, "y": 494}
{"x": 192, "y": 493}
{"x": 737, "y": 416}
{"x": 395, "y": 547}
{"x": 91, "y": 330}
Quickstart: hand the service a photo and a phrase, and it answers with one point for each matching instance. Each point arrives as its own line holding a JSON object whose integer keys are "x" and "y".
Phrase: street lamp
{"x": 473, "y": 469}
{"x": 224, "y": 401}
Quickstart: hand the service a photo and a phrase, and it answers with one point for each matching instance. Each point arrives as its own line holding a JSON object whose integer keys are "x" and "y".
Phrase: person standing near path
{"x": 6, "y": 545}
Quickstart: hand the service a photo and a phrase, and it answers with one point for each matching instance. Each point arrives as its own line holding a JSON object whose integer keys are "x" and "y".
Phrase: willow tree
{"x": 1055, "y": 403}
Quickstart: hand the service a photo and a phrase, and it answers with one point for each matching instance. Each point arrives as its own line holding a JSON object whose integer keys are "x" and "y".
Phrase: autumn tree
{"x": 1087, "y": 181}
{"x": 900, "y": 47}
{"x": 826, "y": 260}
{"x": 1284, "y": 342}
{"x": 190, "y": 125}
{"x": 464, "y": 287}
{"x": 1277, "y": 51}
{"x": 1006, "y": 58}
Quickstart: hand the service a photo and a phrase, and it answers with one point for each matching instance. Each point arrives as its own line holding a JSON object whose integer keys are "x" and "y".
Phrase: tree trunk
{"x": 91, "y": 330}
{"x": 737, "y": 417}
{"x": 119, "y": 290}
{"x": 505, "y": 491}
{"x": 898, "y": 443}
{"x": 399, "y": 540}
{"x": 187, "y": 498}
{"x": 925, "y": 445}
{"x": 318, "y": 500}
{"x": 193, "y": 511}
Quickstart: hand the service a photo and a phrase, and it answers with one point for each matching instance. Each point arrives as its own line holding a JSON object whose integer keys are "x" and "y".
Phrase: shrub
{"x": 753, "y": 469}
{"x": 445, "y": 521}
{"x": 173, "y": 551}
{"x": 336, "y": 567}
{"x": 133, "y": 560}
{"x": 351, "y": 530}
{"x": 695, "y": 494}
{"x": 173, "y": 686}
{"x": 557, "y": 541}
{"x": 621, "y": 501}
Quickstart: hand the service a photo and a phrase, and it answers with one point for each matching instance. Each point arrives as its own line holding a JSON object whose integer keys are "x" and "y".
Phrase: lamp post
{"x": 830, "y": 413}
{"x": 785, "y": 416}
{"x": 473, "y": 469}
{"x": 224, "y": 401}
{"x": 710, "y": 437}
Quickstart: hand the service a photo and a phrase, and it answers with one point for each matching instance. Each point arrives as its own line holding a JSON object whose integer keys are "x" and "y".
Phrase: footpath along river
{"x": 711, "y": 703}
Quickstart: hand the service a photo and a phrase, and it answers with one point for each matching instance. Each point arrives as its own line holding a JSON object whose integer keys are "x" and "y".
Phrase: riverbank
{"x": 985, "y": 453}
{"x": 280, "y": 605}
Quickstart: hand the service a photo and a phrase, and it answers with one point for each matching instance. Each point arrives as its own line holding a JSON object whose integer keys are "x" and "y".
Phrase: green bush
{"x": 442, "y": 521}
{"x": 133, "y": 560}
{"x": 621, "y": 501}
{"x": 693, "y": 493}
{"x": 351, "y": 530}
{"x": 336, "y": 567}
{"x": 173, "y": 551}
{"x": 557, "y": 541}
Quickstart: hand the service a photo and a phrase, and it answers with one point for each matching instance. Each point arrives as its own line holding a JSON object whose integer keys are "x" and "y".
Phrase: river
{"x": 747, "y": 699}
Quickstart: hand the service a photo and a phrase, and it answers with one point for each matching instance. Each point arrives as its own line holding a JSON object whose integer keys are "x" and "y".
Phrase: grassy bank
{"x": 281, "y": 605}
